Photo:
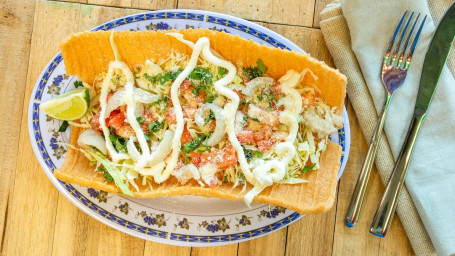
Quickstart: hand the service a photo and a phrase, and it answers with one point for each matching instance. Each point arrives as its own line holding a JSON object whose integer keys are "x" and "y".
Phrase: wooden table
{"x": 35, "y": 219}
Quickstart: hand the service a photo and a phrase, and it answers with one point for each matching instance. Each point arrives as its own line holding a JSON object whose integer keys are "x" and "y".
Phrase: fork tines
{"x": 403, "y": 50}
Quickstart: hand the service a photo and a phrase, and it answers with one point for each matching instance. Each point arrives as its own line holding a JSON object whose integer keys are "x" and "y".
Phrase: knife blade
{"x": 435, "y": 60}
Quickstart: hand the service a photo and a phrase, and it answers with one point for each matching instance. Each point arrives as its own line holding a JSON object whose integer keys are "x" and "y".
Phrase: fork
{"x": 393, "y": 74}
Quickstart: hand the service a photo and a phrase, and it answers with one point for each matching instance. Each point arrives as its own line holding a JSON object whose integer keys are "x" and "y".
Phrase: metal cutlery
{"x": 394, "y": 70}
{"x": 432, "y": 68}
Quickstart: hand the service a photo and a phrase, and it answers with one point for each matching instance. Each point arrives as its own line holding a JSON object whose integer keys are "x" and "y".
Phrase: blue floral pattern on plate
{"x": 217, "y": 222}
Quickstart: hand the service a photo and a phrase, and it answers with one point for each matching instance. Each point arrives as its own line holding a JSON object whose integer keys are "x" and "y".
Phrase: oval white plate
{"x": 179, "y": 220}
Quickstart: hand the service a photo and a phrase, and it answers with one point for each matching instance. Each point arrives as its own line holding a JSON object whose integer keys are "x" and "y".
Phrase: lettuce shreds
{"x": 114, "y": 172}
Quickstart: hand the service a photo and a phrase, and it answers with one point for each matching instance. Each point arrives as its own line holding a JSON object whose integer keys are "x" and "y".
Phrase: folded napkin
{"x": 357, "y": 33}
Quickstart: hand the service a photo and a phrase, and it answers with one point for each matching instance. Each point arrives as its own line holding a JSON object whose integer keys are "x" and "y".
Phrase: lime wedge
{"x": 68, "y": 106}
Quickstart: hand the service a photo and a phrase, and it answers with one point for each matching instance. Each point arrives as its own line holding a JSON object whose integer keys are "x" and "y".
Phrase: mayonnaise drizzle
{"x": 116, "y": 156}
{"x": 263, "y": 177}
{"x": 260, "y": 174}
{"x": 173, "y": 158}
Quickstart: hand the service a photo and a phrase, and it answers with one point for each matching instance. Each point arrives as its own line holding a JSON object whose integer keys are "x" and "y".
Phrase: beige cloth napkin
{"x": 338, "y": 39}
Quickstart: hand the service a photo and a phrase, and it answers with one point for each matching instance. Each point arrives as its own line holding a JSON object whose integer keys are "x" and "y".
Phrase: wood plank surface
{"x": 16, "y": 22}
{"x": 46, "y": 223}
{"x": 284, "y": 12}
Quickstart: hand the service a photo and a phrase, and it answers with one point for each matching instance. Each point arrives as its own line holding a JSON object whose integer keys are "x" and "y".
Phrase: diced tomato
{"x": 193, "y": 101}
{"x": 264, "y": 145}
{"x": 263, "y": 134}
{"x": 149, "y": 117}
{"x": 195, "y": 158}
{"x": 279, "y": 136}
{"x": 275, "y": 90}
{"x": 125, "y": 131}
{"x": 245, "y": 80}
{"x": 95, "y": 122}
{"x": 116, "y": 120}
{"x": 308, "y": 99}
{"x": 239, "y": 94}
{"x": 189, "y": 111}
{"x": 122, "y": 109}
{"x": 185, "y": 85}
{"x": 170, "y": 115}
{"x": 223, "y": 159}
{"x": 264, "y": 116}
{"x": 245, "y": 137}
{"x": 213, "y": 182}
{"x": 229, "y": 157}
{"x": 186, "y": 136}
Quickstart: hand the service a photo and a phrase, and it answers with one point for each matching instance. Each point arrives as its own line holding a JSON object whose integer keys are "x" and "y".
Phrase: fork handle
{"x": 352, "y": 215}
{"x": 384, "y": 214}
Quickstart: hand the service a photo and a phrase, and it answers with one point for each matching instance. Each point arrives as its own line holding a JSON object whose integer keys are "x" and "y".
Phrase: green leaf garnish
{"x": 155, "y": 126}
{"x": 163, "y": 77}
{"x": 253, "y": 72}
{"x": 63, "y": 127}
{"x": 118, "y": 142}
{"x": 192, "y": 145}
{"x": 202, "y": 75}
{"x": 221, "y": 71}
{"x": 209, "y": 117}
{"x": 307, "y": 168}
{"x": 107, "y": 176}
{"x": 78, "y": 84}
{"x": 140, "y": 120}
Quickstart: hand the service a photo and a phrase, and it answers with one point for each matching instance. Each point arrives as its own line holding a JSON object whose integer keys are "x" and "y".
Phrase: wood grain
{"x": 16, "y": 22}
{"x": 319, "y": 6}
{"x": 46, "y": 223}
{"x": 158, "y": 249}
{"x": 285, "y": 11}
{"x": 216, "y": 250}
{"x": 360, "y": 241}
{"x": 261, "y": 246}
{"x": 31, "y": 218}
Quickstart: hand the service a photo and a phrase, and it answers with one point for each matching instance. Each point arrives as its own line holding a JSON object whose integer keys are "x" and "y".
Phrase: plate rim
{"x": 61, "y": 185}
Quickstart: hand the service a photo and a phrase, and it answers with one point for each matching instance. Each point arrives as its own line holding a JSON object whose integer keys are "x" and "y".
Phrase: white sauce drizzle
{"x": 264, "y": 172}
{"x": 116, "y": 156}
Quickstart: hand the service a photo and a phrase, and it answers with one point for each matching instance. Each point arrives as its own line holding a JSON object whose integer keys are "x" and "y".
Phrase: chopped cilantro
{"x": 258, "y": 154}
{"x": 221, "y": 71}
{"x": 163, "y": 100}
{"x": 253, "y": 118}
{"x": 107, "y": 176}
{"x": 78, "y": 84}
{"x": 248, "y": 154}
{"x": 202, "y": 75}
{"x": 192, "y": 145}
{"x": 253, "y": 72}
{"x": 307, "y": 168}
{"x": 63, "y": 127}
{"x": 209, "y": 117}
{"x": 225, "y": 178}
{"x": 163, "y": 77}
{"x": 140, "y": 120}
{"x": 118, "y": 142}
{"x": 209, "y": 99}
{"x": 155, "y": 126}
{"x": 196, "y": 92}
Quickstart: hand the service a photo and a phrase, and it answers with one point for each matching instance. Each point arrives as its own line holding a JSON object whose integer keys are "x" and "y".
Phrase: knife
{"x": 435, "y": 60}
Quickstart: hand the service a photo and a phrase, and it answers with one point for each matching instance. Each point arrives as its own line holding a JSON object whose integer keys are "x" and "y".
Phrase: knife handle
{"x": 384, "y": 215}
